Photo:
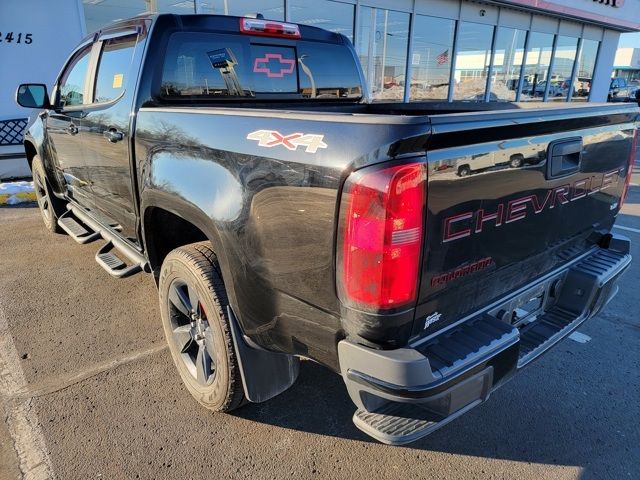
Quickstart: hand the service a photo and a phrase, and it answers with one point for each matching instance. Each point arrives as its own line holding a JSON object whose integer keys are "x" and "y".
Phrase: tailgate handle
{"x": 564, "y": 157}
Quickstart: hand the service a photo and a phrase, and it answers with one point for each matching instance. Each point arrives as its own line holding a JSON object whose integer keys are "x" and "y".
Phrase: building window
{"x": 431, "y": 58}
{"x": 333, "y": 16}
{"x": 271, "y": 9}
{"x": 508, "y": 54}
{"x": 472, "y": 60}
{"x": 563, "y": 59}
{"x": 584, "y": 72}
{"x": 382, "y": 43}
{"x": 537, "y": 66}
{"x": 99, "y": 14}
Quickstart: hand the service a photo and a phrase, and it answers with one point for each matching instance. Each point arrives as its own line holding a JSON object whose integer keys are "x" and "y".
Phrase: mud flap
{"x": 264, "y": 374}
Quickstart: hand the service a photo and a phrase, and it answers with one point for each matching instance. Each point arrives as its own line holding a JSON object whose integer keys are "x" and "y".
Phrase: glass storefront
{"x": 472, "y": 61}
{"x": 99, "y": 13}
{"x": 382, "y": 43}
{"x": 584, "y": 70}
{"x": 537, "y": 63}
{"x": 431, "y": 58}
{"x": 508, "y": 54}
{"x": 382, "y": 40}
{"x": 563, "y": 60}
{"x": 271, "y": 9}
{"x": 333, "y": 16}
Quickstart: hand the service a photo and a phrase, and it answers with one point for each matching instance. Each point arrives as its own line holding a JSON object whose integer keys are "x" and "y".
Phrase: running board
{"x": 113, "y": 265}
{"x": 76, "y": 230}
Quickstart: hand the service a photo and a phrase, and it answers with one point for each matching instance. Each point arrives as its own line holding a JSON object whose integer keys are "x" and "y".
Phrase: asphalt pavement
{"x": 91, "y": 392}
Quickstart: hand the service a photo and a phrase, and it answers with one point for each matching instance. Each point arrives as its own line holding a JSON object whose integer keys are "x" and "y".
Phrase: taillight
{"x": 381, "y": 240}
{"x": 269, "y": 28}
{"x": 632, "y": 162}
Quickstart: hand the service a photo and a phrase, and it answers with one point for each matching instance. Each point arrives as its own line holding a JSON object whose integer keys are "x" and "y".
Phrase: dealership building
{"x": 450, "y": 50}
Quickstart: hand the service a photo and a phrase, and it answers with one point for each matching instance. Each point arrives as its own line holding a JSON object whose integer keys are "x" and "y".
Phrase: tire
{"x": 50, "y": 206}
{"x": 516, "y": 162}
{"x": 193, "y": 306}
{"x": 464, "y": 171}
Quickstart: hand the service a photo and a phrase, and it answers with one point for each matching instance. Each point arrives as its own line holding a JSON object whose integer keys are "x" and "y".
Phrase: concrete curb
{"x": 13, "y": 193}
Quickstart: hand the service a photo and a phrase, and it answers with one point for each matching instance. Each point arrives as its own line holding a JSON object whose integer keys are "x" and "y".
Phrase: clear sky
{"x": 629, "y": 40}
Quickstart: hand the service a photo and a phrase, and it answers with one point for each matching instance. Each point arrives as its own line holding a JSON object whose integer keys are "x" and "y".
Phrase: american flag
{"x": 443, "y": 57}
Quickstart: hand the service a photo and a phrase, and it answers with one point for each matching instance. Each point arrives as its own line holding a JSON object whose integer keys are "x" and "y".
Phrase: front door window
{"x": 74, "y": 80}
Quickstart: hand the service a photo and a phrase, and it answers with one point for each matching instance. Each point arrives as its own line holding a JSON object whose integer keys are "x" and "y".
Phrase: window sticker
{"x": 117, "y": 80}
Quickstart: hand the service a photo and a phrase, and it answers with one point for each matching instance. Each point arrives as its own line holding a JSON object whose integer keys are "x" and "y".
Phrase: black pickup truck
{"x": 284, "y": 216}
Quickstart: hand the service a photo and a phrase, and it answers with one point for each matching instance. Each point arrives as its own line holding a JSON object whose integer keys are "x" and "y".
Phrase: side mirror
{"x": 32, "y": 95}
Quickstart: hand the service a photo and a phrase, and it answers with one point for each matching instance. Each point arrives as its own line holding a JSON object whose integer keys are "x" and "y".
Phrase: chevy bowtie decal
{"x": 272, "y": 138}
{"x": 274, "y": 65}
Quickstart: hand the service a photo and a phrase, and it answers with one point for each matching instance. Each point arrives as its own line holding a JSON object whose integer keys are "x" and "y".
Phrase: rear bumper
{"x": 407, "y": 393}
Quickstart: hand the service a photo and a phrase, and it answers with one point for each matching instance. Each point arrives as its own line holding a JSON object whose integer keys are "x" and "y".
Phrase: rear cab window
{"x": 228, "y": 66}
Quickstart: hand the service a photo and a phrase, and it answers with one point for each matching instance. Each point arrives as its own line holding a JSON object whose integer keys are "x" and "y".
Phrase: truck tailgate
{"x": 527, "y": 192}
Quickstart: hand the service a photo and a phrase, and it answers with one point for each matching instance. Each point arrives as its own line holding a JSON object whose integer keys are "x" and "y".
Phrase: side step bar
{"x": 113, "y": 265}
{"x": 75, "y": 230}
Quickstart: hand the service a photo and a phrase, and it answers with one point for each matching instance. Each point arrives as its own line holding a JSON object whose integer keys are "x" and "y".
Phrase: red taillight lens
{"x": 269, "y": 28}
{"x": 379, "y": 259}
{"x": 632, "y": 162}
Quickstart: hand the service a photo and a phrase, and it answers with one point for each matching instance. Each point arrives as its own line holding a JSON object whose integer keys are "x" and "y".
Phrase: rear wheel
{"x": 50, "y": 206}
{"x": 193, "y": 305}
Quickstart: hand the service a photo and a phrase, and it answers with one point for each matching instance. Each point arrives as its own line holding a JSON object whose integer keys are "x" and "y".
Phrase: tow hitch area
{"x": 405, "y": 394}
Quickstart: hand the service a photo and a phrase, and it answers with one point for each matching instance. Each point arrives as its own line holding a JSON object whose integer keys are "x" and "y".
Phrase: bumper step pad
{"x": 584, "y": 294}
{"x": 472, "y": 358}
{"x": 468, "y": 344}
{"x": 538, "y": 336}
{"x": 401, "y": 423}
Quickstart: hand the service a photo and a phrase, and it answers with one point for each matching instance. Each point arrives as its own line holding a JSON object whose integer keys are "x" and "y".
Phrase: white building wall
{"x": 47, "y": 36}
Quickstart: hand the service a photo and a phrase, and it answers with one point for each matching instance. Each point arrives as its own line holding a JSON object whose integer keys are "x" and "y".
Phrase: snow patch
{"x": 12, "y": 193}
{"x": 11, "y": 188}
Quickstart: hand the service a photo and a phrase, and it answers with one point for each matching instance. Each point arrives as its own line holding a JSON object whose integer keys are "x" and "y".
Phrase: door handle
{"x": 113, "y": 135}
{"x": 564, "y": 157}
{"x": 72, "y": 129}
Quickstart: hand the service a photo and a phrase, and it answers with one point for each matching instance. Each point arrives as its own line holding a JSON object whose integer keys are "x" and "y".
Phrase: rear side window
{"x": 114, "y": 66}
{"x": 218, "y": 66}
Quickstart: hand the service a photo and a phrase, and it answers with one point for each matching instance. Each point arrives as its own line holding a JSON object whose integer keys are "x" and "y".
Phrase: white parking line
{"x": 580, "y": 337}
{"x": 22, "y": 421}
{"x": 629, "y": 229}
{"x": 56, "y": 384}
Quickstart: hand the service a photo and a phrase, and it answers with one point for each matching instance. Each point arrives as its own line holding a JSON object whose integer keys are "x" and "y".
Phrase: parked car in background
{"x": 582, "y": 87}
{"x": 634, "y": 87}
{"x": 558, "y": 88}
{"x": 619, "y": 90}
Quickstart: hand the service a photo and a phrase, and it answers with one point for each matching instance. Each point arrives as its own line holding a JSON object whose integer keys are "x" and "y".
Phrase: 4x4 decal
{"x": 272, "y": 138}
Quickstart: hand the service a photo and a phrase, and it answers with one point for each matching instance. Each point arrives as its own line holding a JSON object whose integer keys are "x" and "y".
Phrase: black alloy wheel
{"x": 191, "y": 332}
{"x": 195, "y": 317}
